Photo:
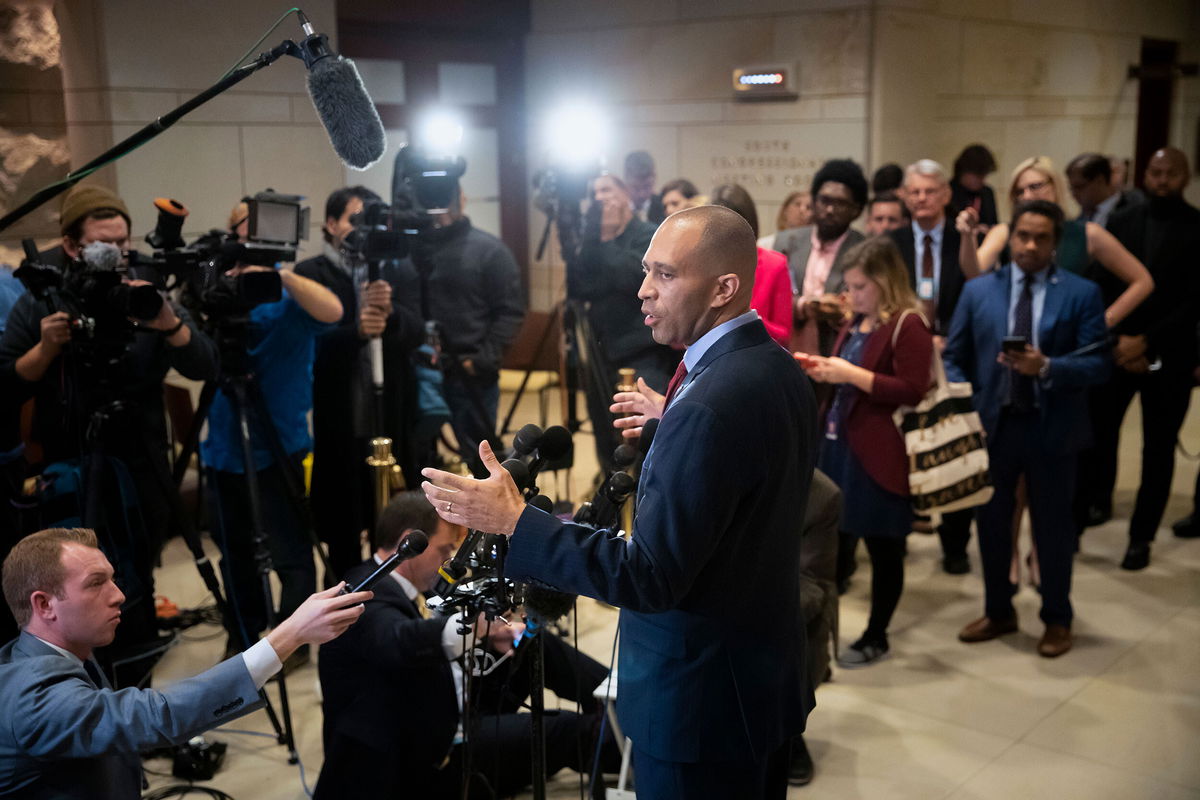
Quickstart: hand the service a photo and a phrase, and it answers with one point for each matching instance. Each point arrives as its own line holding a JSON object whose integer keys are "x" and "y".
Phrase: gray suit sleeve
{"x": 59, "y": 714}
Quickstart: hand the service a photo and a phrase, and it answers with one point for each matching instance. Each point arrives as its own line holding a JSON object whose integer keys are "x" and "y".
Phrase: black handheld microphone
{"x": 647, "y": 437}
{"x": 341, "y": 101}
{"x": 413, "y": 545}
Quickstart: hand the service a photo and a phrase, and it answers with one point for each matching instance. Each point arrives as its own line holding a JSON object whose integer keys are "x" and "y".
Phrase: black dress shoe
{"x": 956, "y": 565}
{"x": 1187, "y": 528}
{"x": 1137, "y": 556}
{"x": 800, "y": 764}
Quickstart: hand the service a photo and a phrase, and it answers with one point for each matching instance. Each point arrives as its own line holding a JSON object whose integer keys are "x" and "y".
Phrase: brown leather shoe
{"x": 1055, "y": 641}
{"x": 985, "y": 628}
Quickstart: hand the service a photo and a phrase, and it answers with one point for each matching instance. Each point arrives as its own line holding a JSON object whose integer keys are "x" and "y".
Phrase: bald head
{"x": 724, "y": 241}
{"x": 699, "y": 273}
{"x": 1167, "y": 173}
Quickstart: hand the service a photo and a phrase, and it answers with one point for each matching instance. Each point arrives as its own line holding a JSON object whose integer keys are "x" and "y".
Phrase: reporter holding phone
{"x": 882, "y": 361}
{"x": 1015, "y": 336}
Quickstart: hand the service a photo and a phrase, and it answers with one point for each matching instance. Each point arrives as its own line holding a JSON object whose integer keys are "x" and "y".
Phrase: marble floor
{"x": 1118, "y": 718}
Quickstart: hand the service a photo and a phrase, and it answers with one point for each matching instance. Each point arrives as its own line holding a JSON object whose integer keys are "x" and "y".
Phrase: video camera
{"x": 565, "y": 186}
{"x": 90, "y": 290}
{"x": 423, "y": 186}
{"x": 275, "y": 224}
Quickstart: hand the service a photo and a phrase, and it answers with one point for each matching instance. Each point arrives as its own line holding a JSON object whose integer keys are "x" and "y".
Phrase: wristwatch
{"x": 1044, "y": 370}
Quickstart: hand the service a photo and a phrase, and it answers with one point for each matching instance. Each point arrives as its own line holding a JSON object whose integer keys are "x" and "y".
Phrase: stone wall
{"x": 879, "y": 81}
{"x": 663, "y": 69}
{"x": 125, "y": 62}
{"x": 33, "y": 133}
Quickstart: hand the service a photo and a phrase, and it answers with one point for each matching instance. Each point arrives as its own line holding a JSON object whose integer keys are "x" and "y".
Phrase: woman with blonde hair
{"x": 883, "y": 356}
{"x": 1082, "y": 242}
{"x": 794, "y": 212}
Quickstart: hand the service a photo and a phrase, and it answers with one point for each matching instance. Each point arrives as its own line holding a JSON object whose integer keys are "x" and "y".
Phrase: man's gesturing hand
{"x": 491, "y": 505}
{"x": 642, "y": 405}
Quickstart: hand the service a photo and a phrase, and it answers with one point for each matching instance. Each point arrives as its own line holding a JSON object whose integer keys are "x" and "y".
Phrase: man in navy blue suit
{"x": 1031, "y": 398}
{"x": 711, "y": 680}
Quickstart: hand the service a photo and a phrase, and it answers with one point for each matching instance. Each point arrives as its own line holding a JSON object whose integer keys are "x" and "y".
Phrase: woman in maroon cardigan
{"x": 876, "y": 369}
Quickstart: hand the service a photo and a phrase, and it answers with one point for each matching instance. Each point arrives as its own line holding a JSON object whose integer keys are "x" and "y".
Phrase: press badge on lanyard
{"x": 925, "y": 288}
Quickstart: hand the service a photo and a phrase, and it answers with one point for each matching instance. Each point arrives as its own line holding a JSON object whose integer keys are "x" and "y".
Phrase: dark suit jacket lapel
{"x": 747, "y": 335}
{"x": 1051, "y": 308}
{"x": 798, "y": 252}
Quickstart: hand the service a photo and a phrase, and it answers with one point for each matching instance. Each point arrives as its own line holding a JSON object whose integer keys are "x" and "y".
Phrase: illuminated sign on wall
{"x": 764, "y": 82}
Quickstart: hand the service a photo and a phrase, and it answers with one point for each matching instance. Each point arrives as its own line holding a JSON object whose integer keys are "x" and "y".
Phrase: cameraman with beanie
{"x": 99, "y": 403}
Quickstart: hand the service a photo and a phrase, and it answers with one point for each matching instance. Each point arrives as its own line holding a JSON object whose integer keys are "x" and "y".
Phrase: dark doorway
{"x": 1156, "y": 89}
{"x": 428, "y": 38}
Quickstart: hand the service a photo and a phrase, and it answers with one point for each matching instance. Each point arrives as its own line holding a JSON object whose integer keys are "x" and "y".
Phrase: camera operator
{"x": 473, "y": 292}
{"x": 45, "y": 356}
{"x": 342, "y": 501}
{"x": 607, "y": 274}
{"x": 281, "y": 343}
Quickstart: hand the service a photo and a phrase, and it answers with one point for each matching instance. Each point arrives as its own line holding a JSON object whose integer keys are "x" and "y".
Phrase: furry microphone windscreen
{"x": 347, "y": 112}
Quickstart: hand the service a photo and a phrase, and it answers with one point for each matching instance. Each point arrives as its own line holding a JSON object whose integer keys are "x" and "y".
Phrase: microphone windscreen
{"x": 623, "y": 456}
{"x": 545, "y": 604}
{"x": 519, "y": 472}
{"x": 556, "y": 443}
{"x": 102, "y": 256}
{"x": 647, "y": 437}
{"x": 415, "y": 542}
{"x": 527, "y": 439}
{"x": 542, "y": 503}
{"x": 346, "y": 111}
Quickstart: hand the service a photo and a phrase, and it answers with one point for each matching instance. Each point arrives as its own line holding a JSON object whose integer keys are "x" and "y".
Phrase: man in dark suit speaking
{"x": 66, "y": 733}
{"x": 711, "y": 680}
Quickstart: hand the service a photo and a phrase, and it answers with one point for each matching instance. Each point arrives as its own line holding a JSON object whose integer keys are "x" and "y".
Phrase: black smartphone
{"x": 1013, "y": 344}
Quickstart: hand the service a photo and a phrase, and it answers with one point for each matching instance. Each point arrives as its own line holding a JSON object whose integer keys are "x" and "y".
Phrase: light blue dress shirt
{"x": 692, "y": 356}
{"x": 919, "y": 235}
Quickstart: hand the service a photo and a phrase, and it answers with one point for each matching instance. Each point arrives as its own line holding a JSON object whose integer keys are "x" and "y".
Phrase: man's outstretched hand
{"x": 491, "y": 505}
{"x": 323, "y": 616}
{"x": 642, "y": 405}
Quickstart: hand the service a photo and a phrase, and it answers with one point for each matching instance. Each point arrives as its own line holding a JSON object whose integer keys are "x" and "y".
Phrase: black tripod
{"x": 237, "y": 382}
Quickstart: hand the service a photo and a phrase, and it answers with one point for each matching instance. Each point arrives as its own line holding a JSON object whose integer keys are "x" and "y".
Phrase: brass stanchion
{"x": 627, "y": 383}
{"x": 388, "y": 477}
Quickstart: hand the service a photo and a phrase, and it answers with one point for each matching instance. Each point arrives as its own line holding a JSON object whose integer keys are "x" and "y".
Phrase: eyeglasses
{"x": 838, "y": 203}
{"x": 1032, "y": 188}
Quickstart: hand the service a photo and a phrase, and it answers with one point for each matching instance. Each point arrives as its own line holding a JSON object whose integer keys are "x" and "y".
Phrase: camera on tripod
{"x": 275, "y": 224}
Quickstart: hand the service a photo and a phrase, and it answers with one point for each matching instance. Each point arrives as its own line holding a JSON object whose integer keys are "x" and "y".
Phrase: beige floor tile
{"x": 1118, "y": 717}
{"x": 1143, "y": 715}
{"x": 1026, "y": 772}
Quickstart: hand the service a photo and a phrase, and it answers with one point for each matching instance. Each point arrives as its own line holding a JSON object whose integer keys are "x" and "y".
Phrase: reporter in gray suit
{"x": 67, "y": 733}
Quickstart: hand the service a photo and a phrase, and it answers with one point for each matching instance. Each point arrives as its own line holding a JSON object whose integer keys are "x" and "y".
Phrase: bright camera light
{"x": 576, "y": 134}
{"x": 440, "y": 133}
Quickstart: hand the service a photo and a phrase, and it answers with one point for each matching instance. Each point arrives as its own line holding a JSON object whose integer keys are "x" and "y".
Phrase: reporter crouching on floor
{"x": 393, "y": 691}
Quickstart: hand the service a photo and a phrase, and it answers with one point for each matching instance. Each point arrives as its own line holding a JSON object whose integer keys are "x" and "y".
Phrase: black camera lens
{"x": 140, "y": 302}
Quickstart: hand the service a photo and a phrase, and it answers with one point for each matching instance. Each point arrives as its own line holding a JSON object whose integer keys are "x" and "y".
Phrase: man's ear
{"x": 41, "y": 605}
{"x": 70, "y": 247}
{"x": 727, "y": 288}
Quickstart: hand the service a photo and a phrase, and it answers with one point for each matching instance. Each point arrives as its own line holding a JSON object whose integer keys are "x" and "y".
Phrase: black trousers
{"x": 955, "y": 532}
{"x": 287, "y": 538}
{"x": 1165, "y": 396}
{"x": 765, "y": 779}
{"x": 1018, "y": 448}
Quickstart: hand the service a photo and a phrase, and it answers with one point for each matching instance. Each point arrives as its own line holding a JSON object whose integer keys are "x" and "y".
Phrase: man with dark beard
{"x": 1156, "y": 350}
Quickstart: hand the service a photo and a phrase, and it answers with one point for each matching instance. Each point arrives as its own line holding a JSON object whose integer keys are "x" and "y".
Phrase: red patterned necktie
{"x": 676, "y": 380}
